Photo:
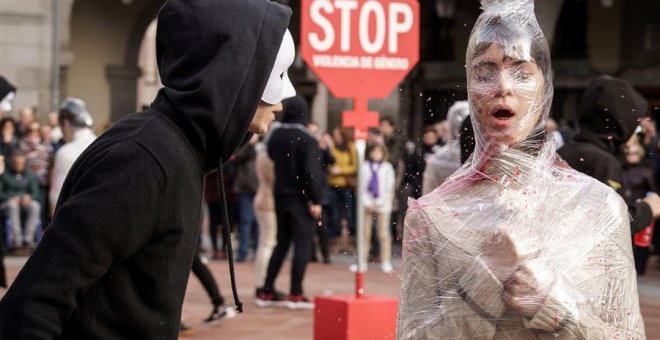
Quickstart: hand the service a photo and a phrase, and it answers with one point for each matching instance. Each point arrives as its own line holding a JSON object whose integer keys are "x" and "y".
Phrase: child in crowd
{"x": 377, "y": 194}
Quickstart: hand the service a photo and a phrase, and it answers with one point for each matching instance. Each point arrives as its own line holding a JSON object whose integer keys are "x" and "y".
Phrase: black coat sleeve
{"x": 108, "y": 211}
{"x": 313, "y": 173}
{"x": 640, "y": 212}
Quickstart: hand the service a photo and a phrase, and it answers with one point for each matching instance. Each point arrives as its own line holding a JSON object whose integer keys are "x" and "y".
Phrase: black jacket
{"x": 296, "y": 155}
{"x": 115, "y": 261}
{"x": 609, "y": 114}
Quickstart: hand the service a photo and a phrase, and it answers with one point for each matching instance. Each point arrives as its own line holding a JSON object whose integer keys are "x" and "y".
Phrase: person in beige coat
{"x": 516, "y": 244}
{"x": 264, "y": 210}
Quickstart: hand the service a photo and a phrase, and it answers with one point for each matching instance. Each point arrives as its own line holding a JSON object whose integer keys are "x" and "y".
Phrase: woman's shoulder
{"x": 587, "y": 190}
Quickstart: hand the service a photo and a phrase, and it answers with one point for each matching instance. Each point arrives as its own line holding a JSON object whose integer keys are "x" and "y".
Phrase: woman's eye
{"x": 484, "y": 76}
{"x": 520, "y": 74}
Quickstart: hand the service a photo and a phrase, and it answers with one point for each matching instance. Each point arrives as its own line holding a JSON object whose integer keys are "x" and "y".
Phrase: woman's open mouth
{"x": 503, "y": 117}
{"x": 503, "y": 114}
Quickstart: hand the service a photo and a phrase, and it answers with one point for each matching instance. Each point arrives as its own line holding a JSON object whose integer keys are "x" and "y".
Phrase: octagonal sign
{"x": 360, "y": 48}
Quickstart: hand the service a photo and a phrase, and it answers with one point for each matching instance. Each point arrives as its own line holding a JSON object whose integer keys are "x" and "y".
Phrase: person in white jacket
{"x": 76, "y": 123}
{"x": 377, "y": 183}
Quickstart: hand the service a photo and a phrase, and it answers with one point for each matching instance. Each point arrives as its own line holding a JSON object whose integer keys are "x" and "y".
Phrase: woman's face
{"x": 507, "y": 93}
{"x": 338, "y": 138}
{"x": 376, "y": 155}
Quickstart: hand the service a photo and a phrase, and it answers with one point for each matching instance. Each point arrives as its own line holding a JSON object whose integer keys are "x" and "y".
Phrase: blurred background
{"x": 104, "y": 51}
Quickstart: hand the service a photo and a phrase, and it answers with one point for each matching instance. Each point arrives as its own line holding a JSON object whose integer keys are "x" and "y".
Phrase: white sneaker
{"x": 386, "y": 267}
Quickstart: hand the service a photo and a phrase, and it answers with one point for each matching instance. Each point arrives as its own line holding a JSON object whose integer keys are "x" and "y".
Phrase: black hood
{"x": 609, "y": 113}
{"x": 214, "y": 58}
{"x": 295, "y": 110}
{"x": 5, "y": 87}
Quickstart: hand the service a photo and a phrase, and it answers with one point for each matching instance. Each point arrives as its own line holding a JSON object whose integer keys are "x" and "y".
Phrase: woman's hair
{"x": 346, "y": 134}
{"x": 7, "y": 120}
{"x": 513, "y": 31}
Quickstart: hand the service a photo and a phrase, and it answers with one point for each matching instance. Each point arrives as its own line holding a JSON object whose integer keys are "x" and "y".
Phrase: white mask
{"x": 279, "y": 85}
{"x": 5, "y": 104}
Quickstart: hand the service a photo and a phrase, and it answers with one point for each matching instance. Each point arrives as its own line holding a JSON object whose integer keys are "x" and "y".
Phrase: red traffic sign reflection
{"x": 360, "y": 48}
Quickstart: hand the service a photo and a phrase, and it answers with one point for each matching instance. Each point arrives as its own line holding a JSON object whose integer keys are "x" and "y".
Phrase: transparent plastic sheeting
{"x": 446, "y": 160}
{"x": 515, "y": 244}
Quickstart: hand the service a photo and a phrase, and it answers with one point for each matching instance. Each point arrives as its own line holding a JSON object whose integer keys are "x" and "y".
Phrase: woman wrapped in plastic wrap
{"x": 516, "y": 245}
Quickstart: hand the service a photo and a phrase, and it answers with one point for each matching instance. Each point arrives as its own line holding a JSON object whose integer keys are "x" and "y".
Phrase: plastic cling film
{"x": 515, "y": 244}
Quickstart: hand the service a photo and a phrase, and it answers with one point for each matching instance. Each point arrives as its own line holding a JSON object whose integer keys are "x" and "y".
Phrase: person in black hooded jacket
{"x": 115, "y": 261}
{"x": 298, "y": 191}
{"x": 609, "y": 114}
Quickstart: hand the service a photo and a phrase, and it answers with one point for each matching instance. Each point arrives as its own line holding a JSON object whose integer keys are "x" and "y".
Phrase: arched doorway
{"x": 101, "y": 46}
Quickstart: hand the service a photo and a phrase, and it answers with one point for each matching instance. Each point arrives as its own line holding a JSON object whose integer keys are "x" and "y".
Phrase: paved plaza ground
{"x": 281, "y": 323}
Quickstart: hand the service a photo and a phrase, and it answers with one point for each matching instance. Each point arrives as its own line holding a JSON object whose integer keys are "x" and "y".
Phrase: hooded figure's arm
{"x": 313, "y": 173}
{"x": 640, "y": 212}
{"x": 101, "y": 220}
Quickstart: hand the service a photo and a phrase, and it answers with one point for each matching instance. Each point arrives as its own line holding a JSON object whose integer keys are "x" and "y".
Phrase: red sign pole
{"x": 360, "y": 49}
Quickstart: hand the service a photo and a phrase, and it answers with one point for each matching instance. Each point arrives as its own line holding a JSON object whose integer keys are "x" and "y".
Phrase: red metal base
{"x": 346, "y": 317}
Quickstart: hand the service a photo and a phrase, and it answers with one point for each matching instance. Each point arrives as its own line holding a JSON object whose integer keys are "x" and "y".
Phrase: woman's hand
{"x": 523, "y": 293}
{"x": 500, "y": 256}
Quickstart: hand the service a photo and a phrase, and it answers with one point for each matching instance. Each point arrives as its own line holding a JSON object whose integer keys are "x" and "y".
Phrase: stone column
{"x": 123, "y": 89}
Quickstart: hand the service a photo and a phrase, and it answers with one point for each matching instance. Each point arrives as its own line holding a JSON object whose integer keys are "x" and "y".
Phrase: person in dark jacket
{"x": 609, "y": 114}
{"x": 298, "y": 190}
{"x": 245, "y": 185}
{"x": 19, "y": 194}
{"x": 115, "y": 261}
{"x": 7, "y": 93}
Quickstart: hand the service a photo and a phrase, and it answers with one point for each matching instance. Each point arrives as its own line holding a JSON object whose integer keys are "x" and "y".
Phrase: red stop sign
{"x": 358, "y": 48}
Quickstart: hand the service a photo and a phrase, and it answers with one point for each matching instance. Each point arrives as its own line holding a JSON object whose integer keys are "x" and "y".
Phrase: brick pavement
{"x": 280, "y": 323}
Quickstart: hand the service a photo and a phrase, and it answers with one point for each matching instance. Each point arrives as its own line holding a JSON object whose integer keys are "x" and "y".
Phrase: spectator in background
{"x": 9, "y": 142}
{"x": 56, "y": 130}
{"x": 442, "y": 130}
{"x": 446, "y": 160}
{"x": 212, "y": 200}
{"x": 19, "y": 192}
{"x": 648, "y": 137}
{"x": 3, "y": 276}
{"x": 298, "y": 192}
{"x": 245, "y": 185}
{"x": 638, "y": 181}
{"x": 327, "y": 160}
{"x": 264, "y": 211}
{"x": 7, "y": 95}
{"x": 395, "y": 143}
{"x": 377, "y": 194}
{"x": 342, "y": 181}
{"x": 76, "y": 123}
{"x": 39, "y": 156}
{"x": 551, "y": 129}
{"x": 430, "y": 141}
{"x": 609, "y": 114}
{"x": 25, "y": 117}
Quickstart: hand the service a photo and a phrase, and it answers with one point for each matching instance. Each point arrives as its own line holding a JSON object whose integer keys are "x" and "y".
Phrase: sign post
{"x": 359, "y": 49}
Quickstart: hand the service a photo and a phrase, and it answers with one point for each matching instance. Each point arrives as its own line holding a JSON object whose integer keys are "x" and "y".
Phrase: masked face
{"x": 5, "y": 103}
{"x": 279, "y": 86}
{"x": 506, "y": 90}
